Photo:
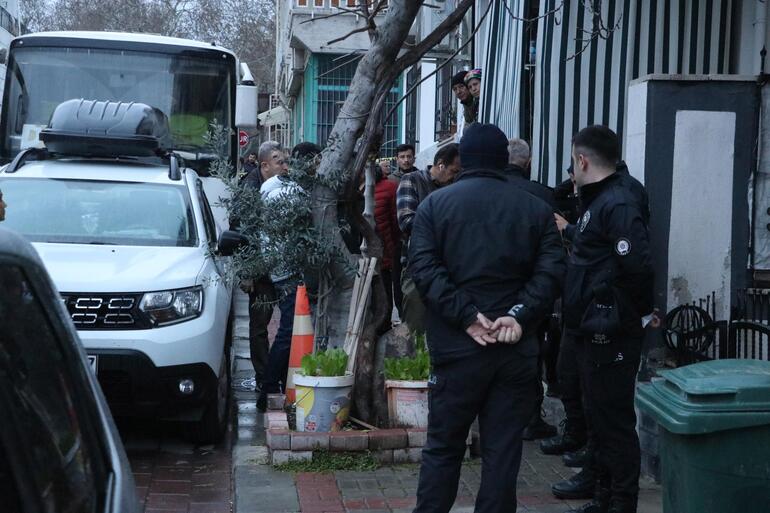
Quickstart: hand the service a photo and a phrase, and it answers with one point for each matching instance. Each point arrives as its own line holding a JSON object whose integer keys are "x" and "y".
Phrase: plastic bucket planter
{"x": 407, "y": 403}
{"x": 323, "y": 403}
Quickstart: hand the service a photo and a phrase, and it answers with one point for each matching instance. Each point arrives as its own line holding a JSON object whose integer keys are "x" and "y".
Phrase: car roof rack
{"x": 22, "y": 157}
{"x": 174, "y": 173}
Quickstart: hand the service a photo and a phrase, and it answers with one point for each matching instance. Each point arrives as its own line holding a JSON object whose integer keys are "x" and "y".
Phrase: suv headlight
{"x": 171, "y": 306}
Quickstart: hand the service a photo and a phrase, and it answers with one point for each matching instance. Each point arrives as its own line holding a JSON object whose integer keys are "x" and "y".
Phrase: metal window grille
{"x": 335, "y": 72}
{"x": 412, "y": 77}
{"x": 445, "y": 104}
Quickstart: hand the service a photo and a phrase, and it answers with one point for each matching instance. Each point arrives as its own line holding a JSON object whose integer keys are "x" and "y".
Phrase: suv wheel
{"x": 212, "y": 425}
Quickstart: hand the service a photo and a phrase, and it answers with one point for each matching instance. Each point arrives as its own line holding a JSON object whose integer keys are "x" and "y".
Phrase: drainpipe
{"x": 760, "y": 33}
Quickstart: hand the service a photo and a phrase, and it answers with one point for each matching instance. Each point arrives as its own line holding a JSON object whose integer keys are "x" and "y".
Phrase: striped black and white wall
{"x": 499, "y": 53}
{"x": 574, "y": 89}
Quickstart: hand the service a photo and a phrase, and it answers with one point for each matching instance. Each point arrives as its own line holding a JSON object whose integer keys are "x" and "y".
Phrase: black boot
{"x": 577, "y": 459}
{"x": 599, "y": 504}
{"x": 538, "y": 428}
{"x": 591, "y": 507}
{"x": 262, "y": 401}
{"x": 622, "y": 506}
{"x": 579, "y": 486}
{"x": 569, "y": 441}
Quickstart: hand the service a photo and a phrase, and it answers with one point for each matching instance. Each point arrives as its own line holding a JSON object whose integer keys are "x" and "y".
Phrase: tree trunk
{"x": 339, "y": 154}
{"x": 346, "y": 153}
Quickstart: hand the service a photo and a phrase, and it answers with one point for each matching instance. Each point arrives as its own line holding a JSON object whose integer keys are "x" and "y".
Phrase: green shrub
{"x": 332, "y": 362}
{"x": 416, "y": 368}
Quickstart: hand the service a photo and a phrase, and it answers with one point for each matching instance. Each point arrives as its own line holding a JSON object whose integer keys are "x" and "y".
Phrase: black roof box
{"x": 93, "y": 128}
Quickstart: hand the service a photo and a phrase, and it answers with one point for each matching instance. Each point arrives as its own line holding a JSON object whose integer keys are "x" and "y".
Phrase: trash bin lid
{"x": 710, "y": 396}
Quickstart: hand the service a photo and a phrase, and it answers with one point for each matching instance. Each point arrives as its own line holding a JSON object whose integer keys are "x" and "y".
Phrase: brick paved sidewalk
{"x": 259, "y": 488}
{"x": 392, "y": 489}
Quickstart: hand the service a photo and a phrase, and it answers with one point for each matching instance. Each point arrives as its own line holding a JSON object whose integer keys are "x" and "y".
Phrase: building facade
{"x": 313, "y": 74}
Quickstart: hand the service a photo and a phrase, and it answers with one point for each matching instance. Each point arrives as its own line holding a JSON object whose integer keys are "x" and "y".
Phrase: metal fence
{"x": 694, "y": 334}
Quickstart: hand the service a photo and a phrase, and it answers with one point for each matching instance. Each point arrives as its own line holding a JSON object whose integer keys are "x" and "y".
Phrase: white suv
{"x": 133, "y": 249}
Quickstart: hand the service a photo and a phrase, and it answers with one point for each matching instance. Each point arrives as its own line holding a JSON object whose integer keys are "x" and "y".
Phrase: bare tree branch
{"x": 354, "y": 31}
{"x": 435, "y": 37}
{"x": 447, "y": 61}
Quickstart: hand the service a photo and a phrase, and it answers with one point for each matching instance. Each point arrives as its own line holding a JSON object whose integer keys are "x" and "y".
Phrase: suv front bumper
{"x": 134, "y": 386}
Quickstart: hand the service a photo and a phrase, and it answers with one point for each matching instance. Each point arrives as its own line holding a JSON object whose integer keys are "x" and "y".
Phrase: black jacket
{"x": 609, "y": 265}
{"x": 483, "y": 245}
{"x": 517, "y": 177}
{"x": 637, "y": 190}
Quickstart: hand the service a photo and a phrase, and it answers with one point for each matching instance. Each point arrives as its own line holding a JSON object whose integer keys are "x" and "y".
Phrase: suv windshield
{"x": 192, "y": 89}
{"x": 94, "y": 212}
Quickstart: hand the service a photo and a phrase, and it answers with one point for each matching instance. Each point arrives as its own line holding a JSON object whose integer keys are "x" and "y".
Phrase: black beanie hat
{"x": 483, "y": 147}
{"x": 459, "y": 78}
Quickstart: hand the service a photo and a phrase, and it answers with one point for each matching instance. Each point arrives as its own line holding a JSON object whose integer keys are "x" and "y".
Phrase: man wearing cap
{"x": 488, "y": 262}
{"x": 461, "y": 92}
{"x": 473, "y": 83}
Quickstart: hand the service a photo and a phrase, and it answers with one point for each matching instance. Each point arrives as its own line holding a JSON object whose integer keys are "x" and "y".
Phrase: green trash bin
{"x": 715, "y": 437}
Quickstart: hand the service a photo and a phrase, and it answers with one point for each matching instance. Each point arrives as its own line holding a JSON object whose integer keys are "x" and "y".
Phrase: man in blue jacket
{"x": 489, "y": 263}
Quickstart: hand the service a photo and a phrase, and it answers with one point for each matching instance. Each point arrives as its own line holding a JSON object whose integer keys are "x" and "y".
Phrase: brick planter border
{"x": 387, "y": 445}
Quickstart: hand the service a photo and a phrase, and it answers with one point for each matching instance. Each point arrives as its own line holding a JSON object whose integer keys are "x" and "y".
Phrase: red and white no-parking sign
{"x": 243, "y": 138}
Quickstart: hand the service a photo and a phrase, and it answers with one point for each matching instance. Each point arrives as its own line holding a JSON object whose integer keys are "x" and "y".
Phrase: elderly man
{"x": 488, "y": 262}
{"x": 271, "y": 162}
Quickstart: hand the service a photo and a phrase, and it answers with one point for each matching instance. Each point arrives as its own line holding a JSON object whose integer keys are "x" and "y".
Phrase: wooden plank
{"x": 354, "y": 303}
{"x": 360, "y": 313}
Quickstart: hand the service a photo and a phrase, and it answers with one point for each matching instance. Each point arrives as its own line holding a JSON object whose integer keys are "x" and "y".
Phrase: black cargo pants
{"x": 569, "y": 373}
{"x": 500, "y": 386}
{"x": 261, "y": 304}
{"x": 609, "y": 395}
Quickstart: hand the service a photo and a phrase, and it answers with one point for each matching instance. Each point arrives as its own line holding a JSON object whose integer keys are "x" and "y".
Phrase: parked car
{"x": 59, "y": 449}
{"x": 130, "y": 240}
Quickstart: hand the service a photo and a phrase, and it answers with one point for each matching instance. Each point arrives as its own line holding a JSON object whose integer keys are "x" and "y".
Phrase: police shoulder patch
{"x": 623, "y": 247}
{"x": 584, "y": 221}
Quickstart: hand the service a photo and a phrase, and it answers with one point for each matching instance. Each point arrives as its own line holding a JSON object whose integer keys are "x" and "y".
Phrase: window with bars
{"x": 412, "y": 77}
{"x": 334, "y": 74}
{"x": 445, "y": 104}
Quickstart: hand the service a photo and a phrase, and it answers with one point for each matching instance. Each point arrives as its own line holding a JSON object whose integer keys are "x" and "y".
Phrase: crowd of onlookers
{"x": 516, "y": 284}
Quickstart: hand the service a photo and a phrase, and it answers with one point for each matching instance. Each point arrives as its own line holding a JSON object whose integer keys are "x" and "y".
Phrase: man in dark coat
{"x": 517, "y": 171}
{"x": 607, "y": 293}
{"x": 412, "y": 191}
{"x": 488, "y": 262}
{"x": 519, "y": 158}
{"x": 271, "y": 162}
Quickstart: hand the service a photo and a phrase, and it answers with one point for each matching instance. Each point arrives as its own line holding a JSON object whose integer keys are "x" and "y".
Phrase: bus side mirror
{"x": 246, "y": 106}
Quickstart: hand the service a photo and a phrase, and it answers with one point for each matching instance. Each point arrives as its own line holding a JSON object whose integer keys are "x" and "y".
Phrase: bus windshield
{"x": 192, "y": 90}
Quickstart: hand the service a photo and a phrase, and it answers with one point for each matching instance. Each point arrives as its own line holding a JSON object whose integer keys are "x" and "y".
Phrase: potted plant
{"x": 323, "y": 391}
{"x": 406, "y": 385}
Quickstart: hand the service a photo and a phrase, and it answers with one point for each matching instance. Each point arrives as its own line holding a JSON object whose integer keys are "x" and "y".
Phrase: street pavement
{"x": 259, "y": 488}
{"x": 173, "y": 475}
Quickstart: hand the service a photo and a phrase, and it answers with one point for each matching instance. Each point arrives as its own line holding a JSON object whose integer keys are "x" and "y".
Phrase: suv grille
{"x": 105, "y": 311}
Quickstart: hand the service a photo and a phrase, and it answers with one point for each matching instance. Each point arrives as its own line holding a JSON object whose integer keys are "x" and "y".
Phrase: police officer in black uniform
{"x": 607, "y": 293}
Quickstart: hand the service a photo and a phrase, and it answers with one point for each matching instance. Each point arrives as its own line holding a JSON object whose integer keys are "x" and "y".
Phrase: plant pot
{"x": 323, "y": 403}
{"x": 407, "y": 403}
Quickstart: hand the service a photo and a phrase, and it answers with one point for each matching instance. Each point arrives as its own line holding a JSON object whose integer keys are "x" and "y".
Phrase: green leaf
{"x": 332, "y": 362}
{"x": 416, "y": 368}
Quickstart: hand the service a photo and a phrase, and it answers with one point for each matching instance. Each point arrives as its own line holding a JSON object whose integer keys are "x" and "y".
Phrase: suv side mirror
{"x": 229, "y": 241}
{"x": 246, "y": 106}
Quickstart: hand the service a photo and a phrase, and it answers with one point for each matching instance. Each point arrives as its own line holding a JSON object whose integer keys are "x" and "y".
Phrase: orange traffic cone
{"x": 301, "y": 340}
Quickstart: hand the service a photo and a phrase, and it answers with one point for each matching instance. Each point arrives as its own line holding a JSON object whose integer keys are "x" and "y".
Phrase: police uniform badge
{"x": 623, "y": 247}
{"x": 584, "y": 221}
